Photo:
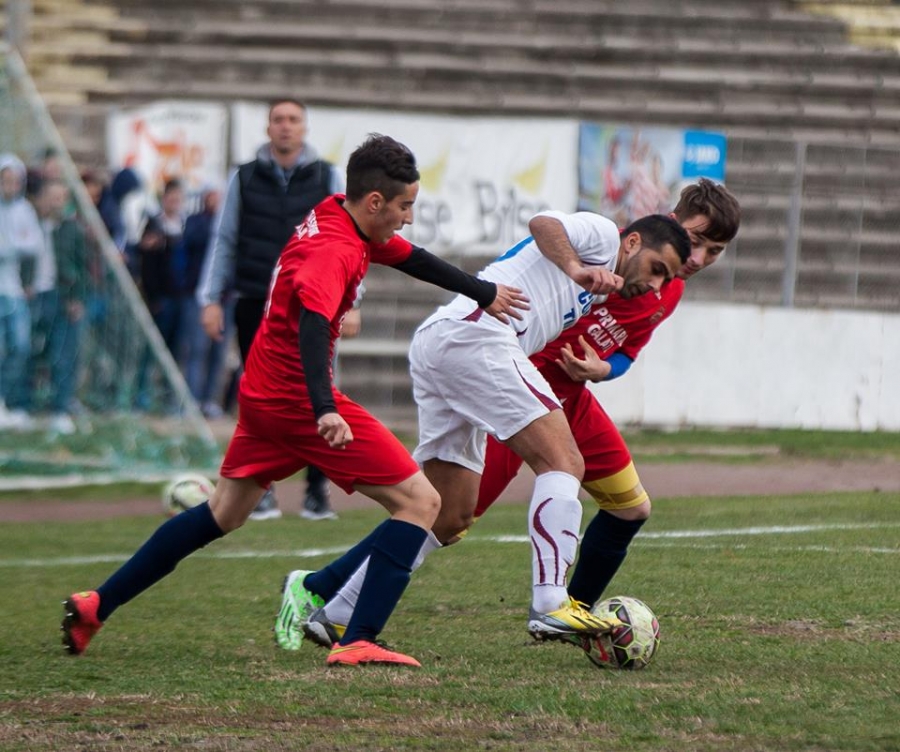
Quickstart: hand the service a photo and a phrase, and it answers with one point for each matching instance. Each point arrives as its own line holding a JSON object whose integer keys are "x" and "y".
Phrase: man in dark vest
{"x": 265, "y": 200}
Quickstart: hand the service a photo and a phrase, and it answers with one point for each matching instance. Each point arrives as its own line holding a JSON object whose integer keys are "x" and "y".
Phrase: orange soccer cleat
{"x": 364, "y": 651}
{"x": 80, "y": 623}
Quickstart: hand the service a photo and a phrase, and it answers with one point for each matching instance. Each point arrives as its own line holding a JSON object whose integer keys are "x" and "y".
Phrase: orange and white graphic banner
{"x": 167, "y": 140}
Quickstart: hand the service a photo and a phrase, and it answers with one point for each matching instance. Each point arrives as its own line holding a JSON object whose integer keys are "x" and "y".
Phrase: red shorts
{"x": 271, "y": 444}
{"x": 599, "y": 441}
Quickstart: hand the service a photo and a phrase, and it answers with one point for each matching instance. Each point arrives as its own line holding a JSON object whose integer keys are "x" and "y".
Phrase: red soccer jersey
{"x": 615, "y": 325}
{"x": 319, "y": 269}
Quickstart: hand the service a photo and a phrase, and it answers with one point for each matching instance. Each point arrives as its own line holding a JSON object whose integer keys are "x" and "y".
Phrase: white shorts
{"x": 471, "y": 378}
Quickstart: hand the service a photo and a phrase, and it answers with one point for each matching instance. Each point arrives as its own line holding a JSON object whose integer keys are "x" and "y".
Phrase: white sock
{"x": 340, "y": 608}
{"x": 554, "y": 522}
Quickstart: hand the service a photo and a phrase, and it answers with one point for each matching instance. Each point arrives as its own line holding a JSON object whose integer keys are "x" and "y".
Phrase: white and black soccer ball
{"x": 631, "y": 646}
{"x": 185, "y": 491}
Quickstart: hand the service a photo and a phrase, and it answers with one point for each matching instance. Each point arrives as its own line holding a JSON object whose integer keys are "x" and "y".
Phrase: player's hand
{"x": 597, "y": 280}
{"x": 213, "y": 321}
{"x": 351, "y": 324}
{"x": 508, "y": 303}
{"x": 589, "y": 368}
{"x": 334, "y": 429}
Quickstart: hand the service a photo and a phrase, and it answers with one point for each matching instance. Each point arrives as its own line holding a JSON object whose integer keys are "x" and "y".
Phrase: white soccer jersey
{"x": 556, "y": 301}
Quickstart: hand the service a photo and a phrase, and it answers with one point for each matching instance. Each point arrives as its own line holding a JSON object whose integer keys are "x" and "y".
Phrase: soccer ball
{"x": 186, "y": 491}
{"x": 631, "y": 646}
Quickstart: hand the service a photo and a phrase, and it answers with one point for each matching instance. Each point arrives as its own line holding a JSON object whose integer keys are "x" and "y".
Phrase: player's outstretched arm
{"x": 552, "y": 241}
{"x": 499, "y": 301}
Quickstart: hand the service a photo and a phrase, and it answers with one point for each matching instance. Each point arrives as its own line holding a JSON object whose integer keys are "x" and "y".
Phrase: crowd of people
{"x": 203, "y": 276}
{"x": 44, "y": 283}
{"x": 54, "y": 286}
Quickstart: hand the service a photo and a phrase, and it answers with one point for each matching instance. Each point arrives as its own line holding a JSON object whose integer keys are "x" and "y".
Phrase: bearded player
{"x": 600, "y": 346}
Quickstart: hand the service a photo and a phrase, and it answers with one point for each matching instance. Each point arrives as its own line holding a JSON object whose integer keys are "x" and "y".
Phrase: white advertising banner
{"x": 482, "y": 178}
{"x": 167, "y": 140}
{"x": 726, "y": 365}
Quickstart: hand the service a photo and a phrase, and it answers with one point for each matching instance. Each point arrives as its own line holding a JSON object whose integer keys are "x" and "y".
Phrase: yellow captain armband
{"x": 622, "y": 490}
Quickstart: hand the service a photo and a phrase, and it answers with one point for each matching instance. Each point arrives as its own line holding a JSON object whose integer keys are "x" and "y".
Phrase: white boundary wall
{"x": 748, "y": 366}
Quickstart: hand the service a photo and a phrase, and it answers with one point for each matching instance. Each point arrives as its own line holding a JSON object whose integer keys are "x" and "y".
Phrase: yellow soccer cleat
{"x": 571, "y": 619}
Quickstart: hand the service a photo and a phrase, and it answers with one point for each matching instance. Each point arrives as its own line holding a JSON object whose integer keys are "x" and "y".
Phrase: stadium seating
{"x": 762, "y": 67}
{"x": 769, "y": 74}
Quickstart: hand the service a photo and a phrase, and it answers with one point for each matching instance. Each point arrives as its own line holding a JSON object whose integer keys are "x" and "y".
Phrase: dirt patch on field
{"x": 661, "y": 479}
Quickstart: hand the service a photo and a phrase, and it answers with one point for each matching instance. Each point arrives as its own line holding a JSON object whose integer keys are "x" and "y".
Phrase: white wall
{"x": 730, "y": 365}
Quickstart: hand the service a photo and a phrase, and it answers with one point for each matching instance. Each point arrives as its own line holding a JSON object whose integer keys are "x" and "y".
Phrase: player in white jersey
{"x": 557, "y": 301}
{"x": 472, "y": 377}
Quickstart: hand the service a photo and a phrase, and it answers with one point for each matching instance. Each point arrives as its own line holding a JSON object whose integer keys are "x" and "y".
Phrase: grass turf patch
{"x": 778, "y": 614}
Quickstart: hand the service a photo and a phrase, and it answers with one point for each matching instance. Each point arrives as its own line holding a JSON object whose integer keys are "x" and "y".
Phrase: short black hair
{"x": 380, "y": 164}
{"x": 658, "y": 230}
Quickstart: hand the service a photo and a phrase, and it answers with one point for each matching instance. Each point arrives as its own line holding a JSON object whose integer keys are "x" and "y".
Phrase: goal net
{"x": 132, "y": 415}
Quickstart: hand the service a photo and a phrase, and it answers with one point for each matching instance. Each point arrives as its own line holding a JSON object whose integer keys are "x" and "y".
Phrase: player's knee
{"x": 226, "y": 518}
{"x": 640, "y": 513}
{"x": 449, "y": 527}
{"x": 424, "y": 506}
{"x": 573, "y": 463}
{"x": 431, "y": 503}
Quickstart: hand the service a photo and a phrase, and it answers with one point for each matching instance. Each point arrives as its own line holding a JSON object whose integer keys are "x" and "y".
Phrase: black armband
{"x": 315, "y": 346}
{"x": 429, "y": 268}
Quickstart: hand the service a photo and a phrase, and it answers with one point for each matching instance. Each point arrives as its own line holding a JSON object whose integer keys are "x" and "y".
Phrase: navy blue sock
{"x": 603, "y": 549}
{"x": 331, "y": 578}
{"x": 390, "y": 564}
{"x": 172, "y": 542}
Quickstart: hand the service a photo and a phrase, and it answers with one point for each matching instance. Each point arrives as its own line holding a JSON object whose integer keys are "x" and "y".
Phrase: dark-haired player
{"x": 472, "y": 378}
{"x": 291, "y": 415}
{"x": 610, "y": 337}
{"x": 600, "y": 347}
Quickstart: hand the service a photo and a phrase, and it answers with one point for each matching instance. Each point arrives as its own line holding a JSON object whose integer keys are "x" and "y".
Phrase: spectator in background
{"x": 101, "y": 195}
{"x": 204, "y": 357}
{"x": 158, "y": 275}
{"x": 265, "y": 200}
{"x": 107, "y": 206}
{"x": 58, "y": 301}
{"x": 160, "y": 265}
{"x": 135, "y": 207}
{"x": 20, "y": 237}
{"x": 50, "y": 168}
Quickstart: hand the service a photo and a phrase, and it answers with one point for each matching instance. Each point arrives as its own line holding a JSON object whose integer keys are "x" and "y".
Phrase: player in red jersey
{"x": 609, "y": 339}
{"x": 599, "y": 347}
{"x": 291, "y": 415}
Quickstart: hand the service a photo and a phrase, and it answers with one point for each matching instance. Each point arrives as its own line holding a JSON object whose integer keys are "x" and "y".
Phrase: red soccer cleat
{"x": 80, "y": 623}
{"x": 363, "y": 651}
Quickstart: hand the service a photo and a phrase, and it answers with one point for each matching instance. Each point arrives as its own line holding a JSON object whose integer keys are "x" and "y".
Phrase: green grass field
{"x": 779, "y": 621}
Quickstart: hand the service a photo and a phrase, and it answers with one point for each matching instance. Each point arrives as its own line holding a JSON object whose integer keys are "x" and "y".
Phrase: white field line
{"x": 643, "y": 540}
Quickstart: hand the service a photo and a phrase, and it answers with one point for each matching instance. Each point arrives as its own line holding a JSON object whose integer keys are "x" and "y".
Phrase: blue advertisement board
{"x": 626, "y": 172}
